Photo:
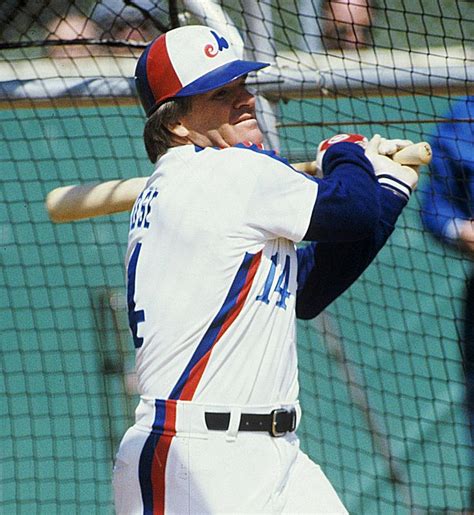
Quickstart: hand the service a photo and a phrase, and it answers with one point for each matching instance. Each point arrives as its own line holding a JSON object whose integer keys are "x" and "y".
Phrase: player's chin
{"x": 249, "y": 130}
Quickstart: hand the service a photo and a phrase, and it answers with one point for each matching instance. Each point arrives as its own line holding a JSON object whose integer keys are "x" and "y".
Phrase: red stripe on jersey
{"x": 196, "y": 373}
{"x": 233, "y": 313}
{"x": 194, "y": 377}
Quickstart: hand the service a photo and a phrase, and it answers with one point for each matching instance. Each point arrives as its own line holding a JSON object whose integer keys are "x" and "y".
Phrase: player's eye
{"x": 220, "y": 94}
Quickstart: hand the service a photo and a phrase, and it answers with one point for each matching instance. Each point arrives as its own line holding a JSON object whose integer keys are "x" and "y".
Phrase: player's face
{"x": 223, "y": 117}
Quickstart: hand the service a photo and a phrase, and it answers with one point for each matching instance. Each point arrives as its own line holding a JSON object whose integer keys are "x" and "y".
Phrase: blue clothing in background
{"x": 449, "y": 199}
{"x": 451, "y": 191}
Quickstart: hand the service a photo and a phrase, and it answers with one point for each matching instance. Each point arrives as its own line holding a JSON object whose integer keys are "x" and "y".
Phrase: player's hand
{"x": 466, "y": 237}
{"x": 338, "y": 138}
{"x": 388, "y": 147}
{"x": 402, "y": 180}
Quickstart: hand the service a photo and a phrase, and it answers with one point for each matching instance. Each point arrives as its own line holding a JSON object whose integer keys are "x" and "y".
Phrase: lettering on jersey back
{"x": 140, "y": 217}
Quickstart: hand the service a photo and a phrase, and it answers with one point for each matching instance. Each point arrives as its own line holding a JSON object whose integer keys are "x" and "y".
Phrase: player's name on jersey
{"x": 140, "y": 217}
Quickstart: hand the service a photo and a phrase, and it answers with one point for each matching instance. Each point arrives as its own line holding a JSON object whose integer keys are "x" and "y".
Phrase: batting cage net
{"x": 385, "y": 371}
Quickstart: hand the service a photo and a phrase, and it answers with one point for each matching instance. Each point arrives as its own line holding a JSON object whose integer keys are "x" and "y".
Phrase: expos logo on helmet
{"x": 210, "y": 50}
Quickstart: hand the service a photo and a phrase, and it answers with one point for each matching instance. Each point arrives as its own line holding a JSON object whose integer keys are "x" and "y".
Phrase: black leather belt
{"x": 277, "y": 423}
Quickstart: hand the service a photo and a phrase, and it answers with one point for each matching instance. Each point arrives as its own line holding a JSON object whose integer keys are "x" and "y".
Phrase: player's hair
{"x": 158, "y": 139}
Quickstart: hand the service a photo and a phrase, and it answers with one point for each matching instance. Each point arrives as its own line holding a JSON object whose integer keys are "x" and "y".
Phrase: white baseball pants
{"x": 169, "y": 462}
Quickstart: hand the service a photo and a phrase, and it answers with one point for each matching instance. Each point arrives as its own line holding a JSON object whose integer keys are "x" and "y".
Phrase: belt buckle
{"x": 274, "y": 430}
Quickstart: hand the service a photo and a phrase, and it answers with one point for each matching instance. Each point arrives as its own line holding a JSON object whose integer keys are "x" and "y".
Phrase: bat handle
{"x": 416, "y": 154}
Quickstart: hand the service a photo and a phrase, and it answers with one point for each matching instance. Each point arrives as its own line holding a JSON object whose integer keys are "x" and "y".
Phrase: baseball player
{"x": 214, "y": 285}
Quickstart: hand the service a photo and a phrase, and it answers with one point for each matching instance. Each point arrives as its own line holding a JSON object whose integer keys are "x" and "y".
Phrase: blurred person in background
{"x": 74, "y": 25}
{"x": 448, "y": 213}
{"x": 139, "y": 20}
{"x": 335, "y": 24}
{"x": 113, "y": 20}
{"x": 345, "y": 24}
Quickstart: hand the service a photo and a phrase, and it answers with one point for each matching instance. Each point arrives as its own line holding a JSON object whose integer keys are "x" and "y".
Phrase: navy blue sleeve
{"x": 347, "y": 206}
{"x": 327, "y": 269}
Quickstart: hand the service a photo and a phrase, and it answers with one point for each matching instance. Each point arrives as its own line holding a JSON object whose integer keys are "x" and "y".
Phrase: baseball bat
{"x": 415, "y": 155}
{"x": 77, "y": 202}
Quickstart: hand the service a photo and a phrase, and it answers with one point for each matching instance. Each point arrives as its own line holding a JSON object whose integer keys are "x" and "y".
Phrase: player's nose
{"x": 245, "y": 97}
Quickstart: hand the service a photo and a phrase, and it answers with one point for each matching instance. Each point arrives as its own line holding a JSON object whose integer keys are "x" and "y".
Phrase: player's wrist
{"x": 402, "y": 180}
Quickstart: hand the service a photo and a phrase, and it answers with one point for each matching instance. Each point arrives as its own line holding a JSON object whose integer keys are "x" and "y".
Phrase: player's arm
{"x": 327, "y": 269}
{"x": 347, "y": 206}
{"x": 284, "y": 203}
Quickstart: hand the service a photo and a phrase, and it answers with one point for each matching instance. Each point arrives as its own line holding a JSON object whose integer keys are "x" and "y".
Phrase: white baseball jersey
{"x": 212, "y": 273}
{"x": 211, "y": 269}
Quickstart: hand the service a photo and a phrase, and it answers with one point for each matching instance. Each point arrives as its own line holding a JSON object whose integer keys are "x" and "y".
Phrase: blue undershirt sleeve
{"x": 347, "y": 206}
{"x": 327, "y": 269}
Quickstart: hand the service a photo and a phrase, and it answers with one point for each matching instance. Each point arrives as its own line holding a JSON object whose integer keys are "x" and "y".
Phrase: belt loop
{"x": 233, "y": 429}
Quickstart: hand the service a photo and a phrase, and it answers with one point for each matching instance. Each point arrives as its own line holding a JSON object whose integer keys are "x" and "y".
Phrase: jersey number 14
{"x": 281, "y": 285}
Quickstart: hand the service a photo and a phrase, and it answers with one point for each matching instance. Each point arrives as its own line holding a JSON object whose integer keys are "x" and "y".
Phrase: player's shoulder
{"x": 254, "y": 151}
{"x": 241, "y": 162}
{"x": 246, "y": 154}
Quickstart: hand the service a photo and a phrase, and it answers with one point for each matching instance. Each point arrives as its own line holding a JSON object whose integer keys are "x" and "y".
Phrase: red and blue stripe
{"x": 154, "y": 455}
{"x": 155, "y": 77}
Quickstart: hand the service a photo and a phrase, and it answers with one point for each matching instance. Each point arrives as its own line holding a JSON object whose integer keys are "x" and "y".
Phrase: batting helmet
{"x": 187, "y": 61}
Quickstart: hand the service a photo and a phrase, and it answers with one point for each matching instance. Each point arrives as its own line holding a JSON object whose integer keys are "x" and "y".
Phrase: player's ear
{"x": 178, "y": 129}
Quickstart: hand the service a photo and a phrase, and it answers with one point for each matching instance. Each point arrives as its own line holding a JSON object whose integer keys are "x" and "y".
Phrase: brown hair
{"x": 158, "y": 138}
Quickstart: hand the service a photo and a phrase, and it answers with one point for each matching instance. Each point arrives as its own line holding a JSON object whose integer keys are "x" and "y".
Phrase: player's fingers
{"x": 373, "y": 145}
{"x": 388, "y": 147}
{"x": 217, "y": 139}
